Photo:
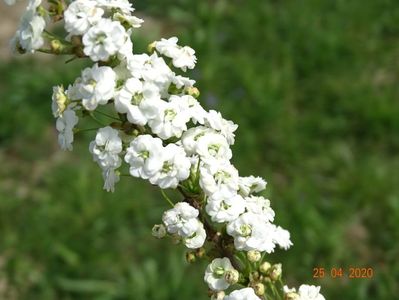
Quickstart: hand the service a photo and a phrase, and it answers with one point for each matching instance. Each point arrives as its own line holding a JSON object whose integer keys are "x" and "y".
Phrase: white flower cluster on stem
{"x": 150, "y": 125}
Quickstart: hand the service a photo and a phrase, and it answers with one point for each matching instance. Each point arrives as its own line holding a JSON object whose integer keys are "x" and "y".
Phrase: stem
{"x": 43, "y": 50}
{"x": 78, "y": 130}
{"x": 167, "y": 198}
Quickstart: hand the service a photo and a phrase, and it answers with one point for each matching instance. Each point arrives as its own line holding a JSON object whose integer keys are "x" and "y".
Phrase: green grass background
{"x": 314, "y": 87}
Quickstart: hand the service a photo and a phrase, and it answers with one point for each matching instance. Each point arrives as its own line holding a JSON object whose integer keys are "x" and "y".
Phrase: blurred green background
{"x": 314, "y": 87}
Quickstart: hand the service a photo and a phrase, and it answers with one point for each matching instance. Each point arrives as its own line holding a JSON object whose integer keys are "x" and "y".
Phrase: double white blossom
{"x": 104, "y": 39}
{"x": 140, "y": 101}
{"x": 81, "y": 15}
{"x": 182, "y": 57}
{"x": 65, "y": 125}
{"x": 190, "y": 138}
{"x": 243, "y": 294}
{"x": 213, "y": 147}
{"x": 219, "y": 179}
{"x": 227, "y": 128}
{"x": 260, "y": 206}
{"x": 144, "y": 156}
{"x": 215, "y": 274}
{"x": 171, "y": 120}
{"x": 96, "y": 86}
{"x": 123, "y": 5}
{"x": 152, "y": 69}
{"x": 251, "y": 232}
{"x": 251, "y": 184}
{"x": 182, "y": 220}
{"x": 105, "y": 150}
{"x": 305, "y": 292}
{"x": 175, "y": 167}
{"x": 29, "y": 34}
{"x": 197, "y": 239}
{"x": 225, "y": 209}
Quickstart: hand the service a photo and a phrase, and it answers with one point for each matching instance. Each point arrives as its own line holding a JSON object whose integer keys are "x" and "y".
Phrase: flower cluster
{"x": 151, "y": 126}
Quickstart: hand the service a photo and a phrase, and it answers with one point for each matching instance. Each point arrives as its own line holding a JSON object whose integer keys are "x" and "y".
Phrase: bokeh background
{"x": 314, "y": 87}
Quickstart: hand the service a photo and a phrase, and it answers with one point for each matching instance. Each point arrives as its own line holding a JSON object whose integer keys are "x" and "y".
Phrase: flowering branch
{"x": 160, "y": 131}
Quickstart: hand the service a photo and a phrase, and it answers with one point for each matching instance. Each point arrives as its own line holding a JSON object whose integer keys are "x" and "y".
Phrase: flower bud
{"x": 60, "y": 100}
{"x": 159, "y": 231}
{"x": 218, "y": 295}
{"x": 291, "y": 296}
{"x": 176, "y": 239}
{"x": 259, "y": 288}
{"x": 254, "y": 276}
{"x": 56, "y": 46}
{"x": 264, "y": 267}
{"x": 193, "y": 91}
{"x": 190, "y": 257}
{"x": 200, "y": 253}
{"x": 254, "y": 256}
{"x": 275, "y": 272}
{"x": 232, "y": 276}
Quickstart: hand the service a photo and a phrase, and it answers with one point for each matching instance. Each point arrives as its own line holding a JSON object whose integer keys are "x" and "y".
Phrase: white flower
{"x": 306, "y": 292}
{"x": 282, "y": 238}
{"x": 213, "y": 147}
{"x": 180, "y": 82}
{"x": 191, "y": 136}
{"x": 288, "y": 290}
{"x": 65, "y": 125}
{"x": 195, "y": 110}
{"x": 106, "y": 148}
{"x": 29, "y": 33}
{"x": 125, "y": 52}
{"x": 214, "y": 274}
{"x": 59, "y": 101}
{"x": 243, "y": 294}
{"x": 144, "y": 155}
{"x": 219, "y": 179}
{"x": 131, "y": 20}
{"x": 152, "y": 69}
{"x": 103, "y": 40}
{"x": 181, "y": 220}
{"x": 197, "y": 240}
{"x": 110, "y": 178}
{"x": 81, "y": 15}
{"x": 251, "y": 232}
{"x": 167, "y": 47}
{"x": 123, "y": 5}
{"x": 139, "y": 101}
{"x": 184, "y": 58}
{"x": 225, "y": 209}
{"x": 96, "y": 86}
{"x": 215, "y": 120}
{"x": 251, "y": 184}
{"x": 260, "y": 206}
{"x": 171, "y": 120}
{"x": 175, "y": 167}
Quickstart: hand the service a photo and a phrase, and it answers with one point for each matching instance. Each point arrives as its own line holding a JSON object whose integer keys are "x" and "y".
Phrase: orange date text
{"x": 339, "y": 272}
